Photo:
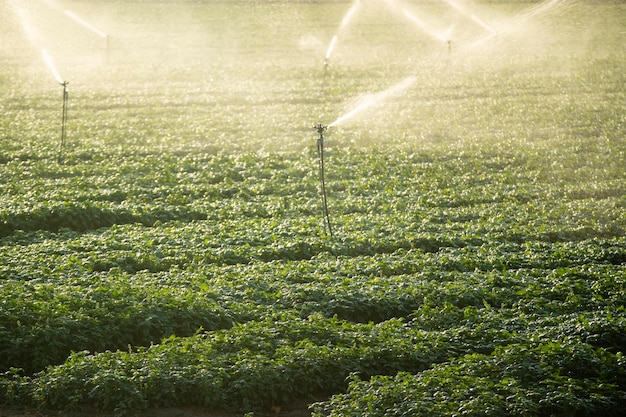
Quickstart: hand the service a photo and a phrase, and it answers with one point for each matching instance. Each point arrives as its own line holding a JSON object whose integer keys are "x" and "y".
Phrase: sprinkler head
{"x": 320, "y": 128}
{"x": 64, "y": 84}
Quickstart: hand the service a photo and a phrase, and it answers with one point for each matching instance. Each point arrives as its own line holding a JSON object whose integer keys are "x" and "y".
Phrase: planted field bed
{"x": 173, "y": 253}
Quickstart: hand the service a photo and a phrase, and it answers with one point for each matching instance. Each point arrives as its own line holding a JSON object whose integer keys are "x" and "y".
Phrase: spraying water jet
{"x": 373, "y": 99}
{"x": 420, "y": 23}
{"x": 423, "y": 26}
{"x": 88, "y": 26}
{"x": 344, "y": 23}
{"x": 329, "y": 51}
{"x": 30, "y": 31}
{"x": 471, "y": 16}
{"x": 47, "y": 59}
{"x": 518, "y": 23}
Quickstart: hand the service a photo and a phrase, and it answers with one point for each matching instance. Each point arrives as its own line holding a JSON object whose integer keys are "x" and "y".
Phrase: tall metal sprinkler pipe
{"x": 63, "y": 121}
{"x": 320, "y": 153}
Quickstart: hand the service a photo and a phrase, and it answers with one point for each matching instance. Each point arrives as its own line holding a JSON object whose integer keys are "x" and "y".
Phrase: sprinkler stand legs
{"x": 63, "y": 122}
{"x": 320, "y": 153}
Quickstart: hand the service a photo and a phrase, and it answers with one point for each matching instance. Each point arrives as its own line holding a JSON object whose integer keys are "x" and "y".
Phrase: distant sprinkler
{"x": 448, "y": 37}
{"x": 329, "y": 51}
{"x": 344, "y": 23}
{"x": 320, "y": 128}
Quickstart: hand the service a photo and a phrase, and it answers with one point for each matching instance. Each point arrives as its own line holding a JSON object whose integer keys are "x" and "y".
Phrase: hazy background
{"x": 251, "y": 74}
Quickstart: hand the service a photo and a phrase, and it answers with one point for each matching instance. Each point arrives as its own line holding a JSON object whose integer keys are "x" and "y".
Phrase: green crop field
{"x": 170, "y": 250}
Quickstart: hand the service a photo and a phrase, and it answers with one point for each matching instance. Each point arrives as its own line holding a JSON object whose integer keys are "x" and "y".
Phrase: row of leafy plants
{"x": 465, "y": 272}
{"x": 81, "y": 197}
{"x": 559, "y": 377}
{"x": 513, "y": 369}
{"x": 74, "y": 308}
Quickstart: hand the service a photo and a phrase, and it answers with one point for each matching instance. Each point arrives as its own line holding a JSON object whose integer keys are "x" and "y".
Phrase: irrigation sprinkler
{"x": 320, "y": 153}
{"x": 57, "y": 76}
{"x": 63, "y": 121}
{"x": 329, "y": 51}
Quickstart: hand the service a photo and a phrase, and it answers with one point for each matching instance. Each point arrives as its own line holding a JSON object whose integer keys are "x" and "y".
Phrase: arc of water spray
{"x": 471, "y": 16}
{"x": 329, "y": 51}
{"x": 85, "y": 24}
{"x": 344, "y": 23}
{"x": 518, "y": 21}
{"x": 33, "y": 36}
{"x": 333, "y": 42}
{"x": 47, "y": 59}
{"x": 420, "y": 23}
{"x": 539, "y": 9}
{"x": 373, "y": 99}
{"x": 29, "y": 29}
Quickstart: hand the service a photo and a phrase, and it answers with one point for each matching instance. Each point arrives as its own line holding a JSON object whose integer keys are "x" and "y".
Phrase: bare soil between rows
{"x": 296, "y": 409}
